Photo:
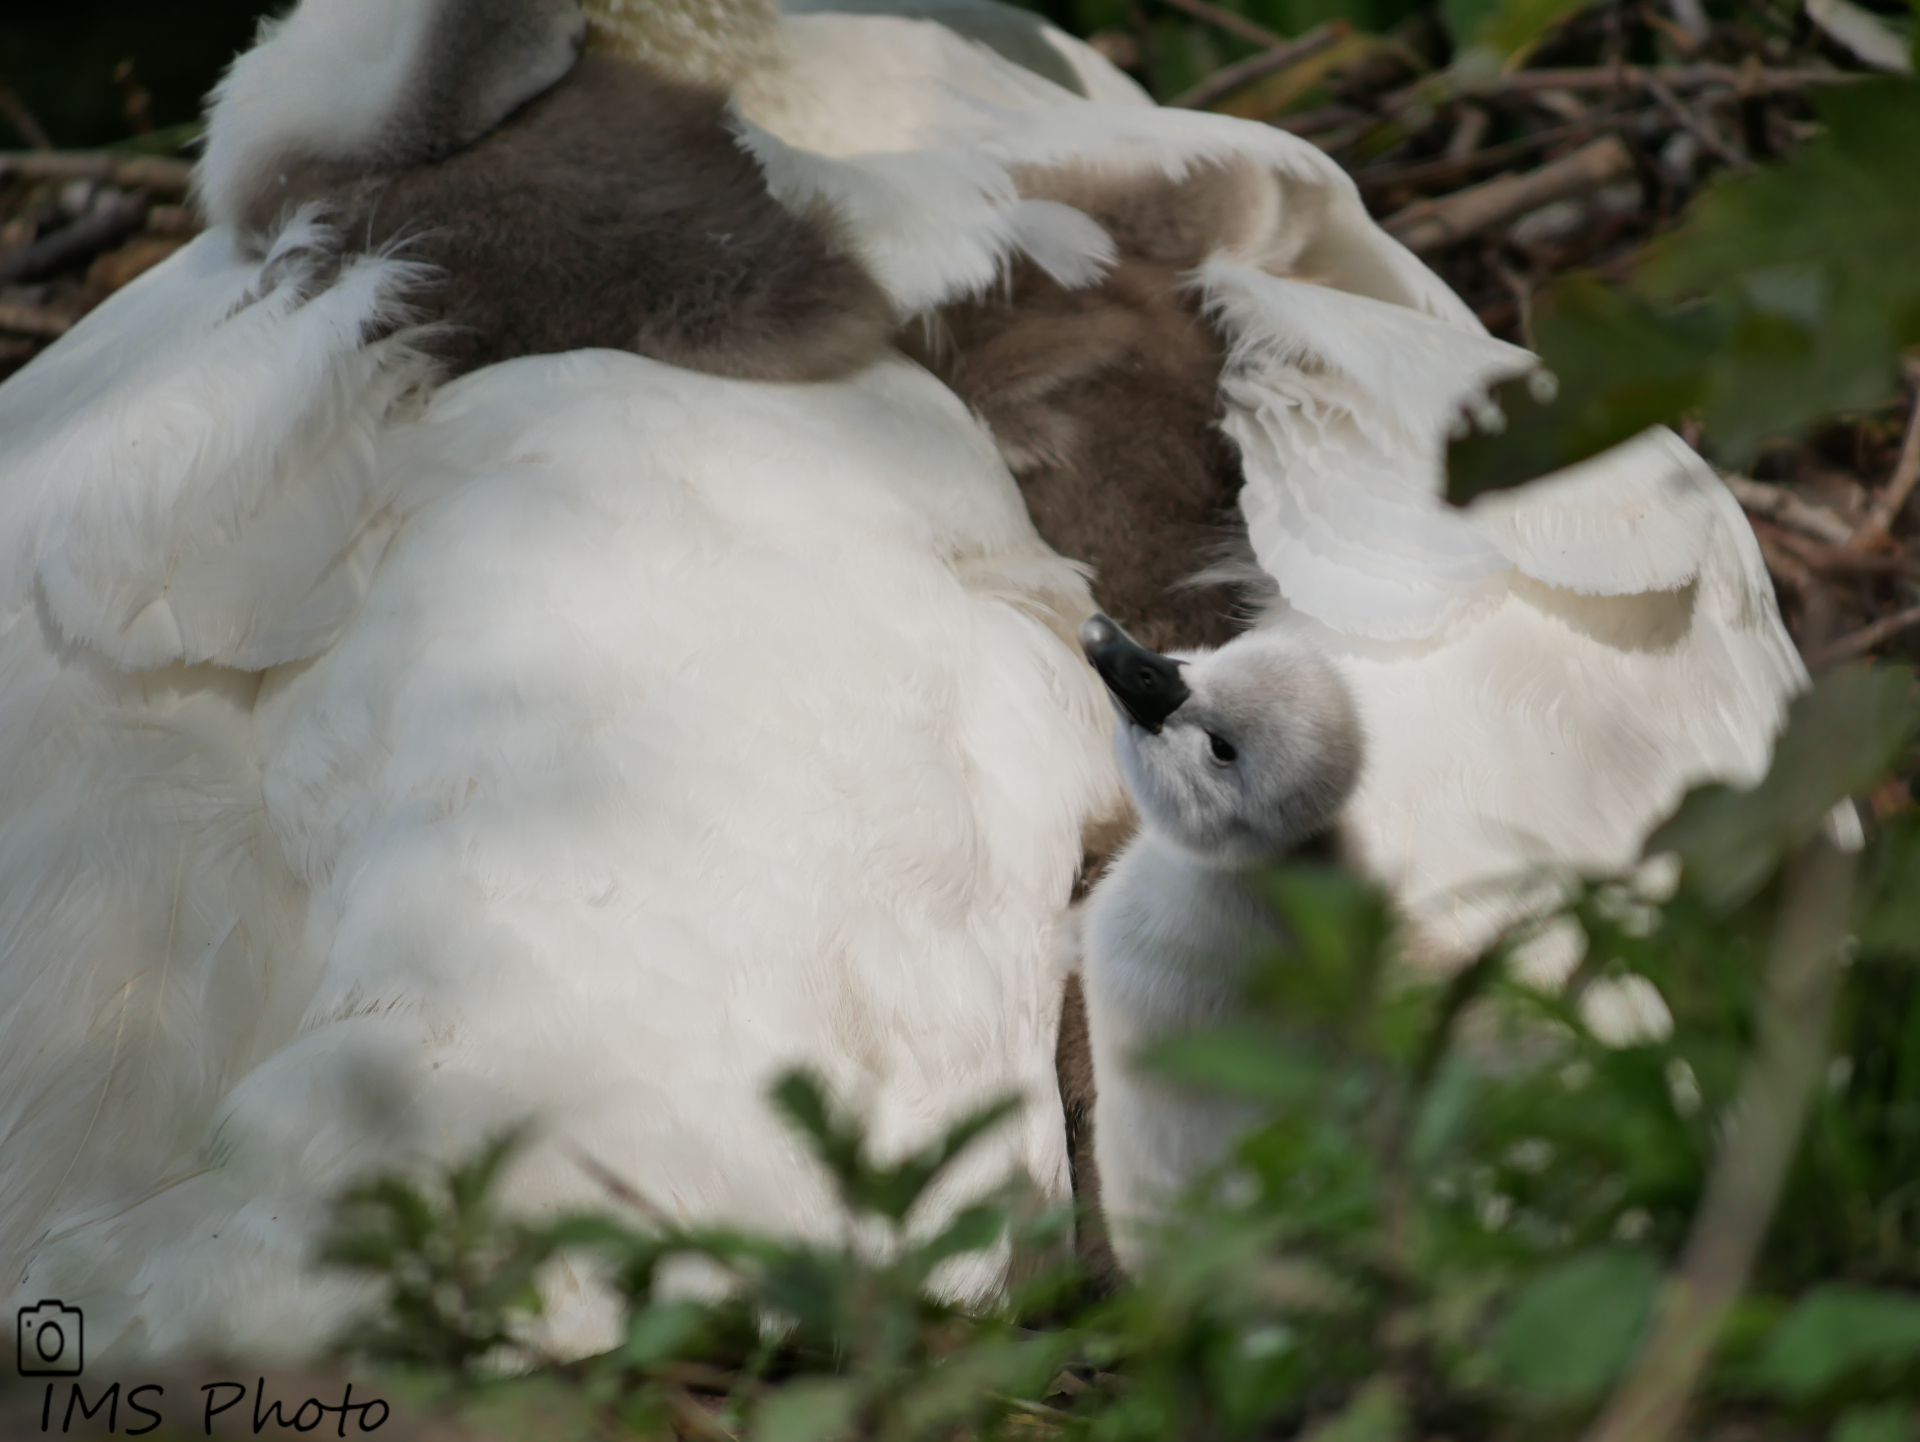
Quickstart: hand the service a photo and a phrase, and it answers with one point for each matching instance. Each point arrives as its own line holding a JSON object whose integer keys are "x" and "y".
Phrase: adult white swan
{"x": 591, "y": 736}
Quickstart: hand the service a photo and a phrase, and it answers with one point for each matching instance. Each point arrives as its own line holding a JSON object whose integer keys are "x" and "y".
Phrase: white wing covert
{"x": 1542, "y": 673}
{"x": 185, "y": 481}
{"x": 205, "y": 507}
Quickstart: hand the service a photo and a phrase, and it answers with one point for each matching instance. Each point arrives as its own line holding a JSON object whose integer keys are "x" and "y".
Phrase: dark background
{"x": 60, "y": 58}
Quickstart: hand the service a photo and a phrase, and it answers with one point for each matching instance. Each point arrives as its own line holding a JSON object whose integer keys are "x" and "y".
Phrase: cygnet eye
{"x": 1222, "y": 748}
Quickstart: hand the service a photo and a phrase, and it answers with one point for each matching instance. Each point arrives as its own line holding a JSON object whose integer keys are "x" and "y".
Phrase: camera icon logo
{"x": 51, "y": 1338}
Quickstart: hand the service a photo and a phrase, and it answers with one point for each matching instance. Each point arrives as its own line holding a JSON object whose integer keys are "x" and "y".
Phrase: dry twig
{"x": 1878, "y": 527}
{"x": 1777, "y": 503}
{"x": 1830, "y": 560}
{"x": 34, "y": 320}
{"x": 620, "y": 1189}
{"x": 1449, "y": 170}
{"x": 1468, "y": 132}
{"x": 1816, "y": 600}
{"x": 1867, "y": 638}
{"x": 157, "y": 173}
{"x": 1429, "y": 225}
{"x": 1233, "y": 24}
{"x": 693, "y": 1419}
{"x": 173, "y": 220}
{"x": 107, "y": 223}
{"x": 1693, "y": 124}
{"x": 1622, "y": 77}
{"x": 23, "y": 119}
{"x": 1229, "y": 78}
{"x": 1320, "y": 119}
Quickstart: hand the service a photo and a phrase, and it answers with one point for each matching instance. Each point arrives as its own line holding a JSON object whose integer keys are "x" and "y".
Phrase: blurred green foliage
{"x": 1183, "y": 51}
{"x": 1787, "y": 294}
{"x": 60, "y": 61}
{"x": 1454, "y": 1216}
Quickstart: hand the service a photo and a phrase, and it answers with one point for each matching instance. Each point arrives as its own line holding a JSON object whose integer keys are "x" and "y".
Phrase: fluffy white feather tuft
{"x": 208, "y": 508}
{"x": 934, "y": 226}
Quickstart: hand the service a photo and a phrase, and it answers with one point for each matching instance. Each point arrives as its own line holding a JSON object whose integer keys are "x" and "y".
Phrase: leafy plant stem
{"x": 1461, "y": 991}
{"x": 1776, "y": 1090}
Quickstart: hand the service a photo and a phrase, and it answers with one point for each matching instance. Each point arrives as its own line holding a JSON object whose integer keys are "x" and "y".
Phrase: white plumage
{"x": 1233, "y": 763}
{"x": 591, "y": 739}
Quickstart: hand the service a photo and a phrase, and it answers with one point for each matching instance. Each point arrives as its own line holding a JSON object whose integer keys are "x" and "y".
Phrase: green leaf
{"x": 970, "y": 1383}
{"x": 1893, "y": 1423}
{"x": 893, "y": 1193}
{"x": 1573, "y": 1328}
{"x": 1840, "y": 737}
{"x": 973, "y": 1229}
{"x": 1838, "y": 1333}
{"x": 839, "y": 1140}
{"x": 810, "y": 1410}
{"x": 542, "y": 1406}
{"x": 1503, "y": 28}
{"x": 1617, "y": 366}
{"x": 836, "y": 1140}
{"x": 1337, "y": 928}
{"x": 589, "y": 1230}
{"x": 1890, "y": 890}
{"x": 469, "y": 1185}
{"x": 1466, "y": 18}
{"x": 1788, "y": 294}
{"x": 407, "y": 1213}
{"x": 1378, "y": 1413}
{"x": 1810, "y": 267}
{"x": 1242, "y": 1061}
{"x": 658, "y": 1332}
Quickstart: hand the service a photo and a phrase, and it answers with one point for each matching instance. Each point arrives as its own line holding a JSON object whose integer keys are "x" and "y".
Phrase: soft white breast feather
{"x": 590, "y": 798}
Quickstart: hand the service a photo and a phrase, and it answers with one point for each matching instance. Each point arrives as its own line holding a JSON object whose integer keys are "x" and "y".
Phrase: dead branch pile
{"x": 75, "y": 226}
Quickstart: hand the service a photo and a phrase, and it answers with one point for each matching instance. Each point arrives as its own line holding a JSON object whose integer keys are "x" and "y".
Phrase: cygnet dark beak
{"x": 1145, "y": 684}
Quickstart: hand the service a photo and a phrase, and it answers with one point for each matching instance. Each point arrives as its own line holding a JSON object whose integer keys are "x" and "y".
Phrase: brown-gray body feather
{"x": 1105, "y": 402}
{"x": 613, "y": 210}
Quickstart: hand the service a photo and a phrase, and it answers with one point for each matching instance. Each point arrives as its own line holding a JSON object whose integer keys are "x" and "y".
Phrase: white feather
{"x": 844, "y": 85}
{"x": 935, "y": 226}
{"x": 185, "y": 478}
{"x": 327, "y": 82}
{"x": 589, "y": 801}
{"x": 207, "y": 507}
{"x": 606, "y": 736}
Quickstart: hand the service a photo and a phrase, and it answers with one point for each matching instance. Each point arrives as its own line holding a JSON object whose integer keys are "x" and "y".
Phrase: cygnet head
{"x": 1236, "y": 755}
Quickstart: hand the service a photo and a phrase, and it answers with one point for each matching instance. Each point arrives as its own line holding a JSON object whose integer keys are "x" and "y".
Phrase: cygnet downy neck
{"x": 1234, "y": 757}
